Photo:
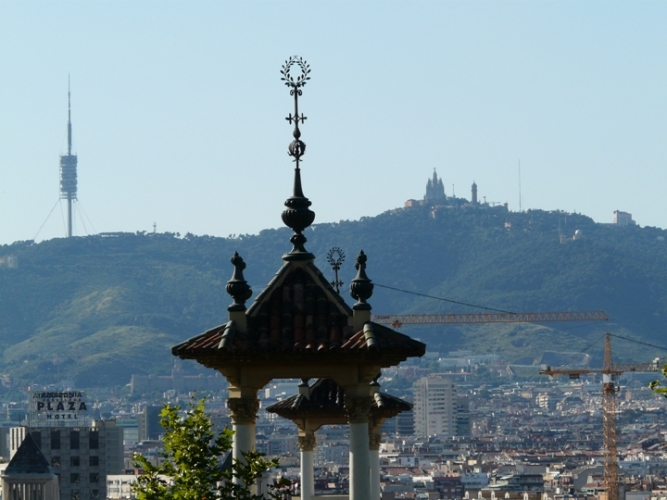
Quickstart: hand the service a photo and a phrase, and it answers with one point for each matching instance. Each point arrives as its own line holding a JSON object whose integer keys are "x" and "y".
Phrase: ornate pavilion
{"x": 300, "y": 327}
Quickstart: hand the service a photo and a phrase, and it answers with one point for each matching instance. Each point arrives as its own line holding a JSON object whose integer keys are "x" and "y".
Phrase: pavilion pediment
{"x": 300, "y": 316}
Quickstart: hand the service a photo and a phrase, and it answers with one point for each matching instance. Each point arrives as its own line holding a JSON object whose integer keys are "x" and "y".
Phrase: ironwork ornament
{"x": 335, "y": 258}
{"x": 298, "y": 215}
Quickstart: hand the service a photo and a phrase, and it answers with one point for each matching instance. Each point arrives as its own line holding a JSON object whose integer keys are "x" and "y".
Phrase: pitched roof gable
{"x": 286, "y": 275}
{"x": 28, "y": 459}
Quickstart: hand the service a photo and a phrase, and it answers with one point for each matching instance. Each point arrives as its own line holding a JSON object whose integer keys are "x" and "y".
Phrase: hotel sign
{"x": 68, "y": 408}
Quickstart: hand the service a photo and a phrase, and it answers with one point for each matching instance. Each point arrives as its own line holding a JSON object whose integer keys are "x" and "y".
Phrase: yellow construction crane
{"x": 398, "y": 320}
{"x": 610, "y": 372}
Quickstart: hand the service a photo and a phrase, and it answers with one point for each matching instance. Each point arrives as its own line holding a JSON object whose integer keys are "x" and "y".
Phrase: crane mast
{"x": 609, "y": 423}
{"x": 609, "y": 373}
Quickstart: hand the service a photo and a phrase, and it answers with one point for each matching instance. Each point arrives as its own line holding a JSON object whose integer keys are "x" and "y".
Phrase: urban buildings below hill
{"x": 540, "y": 440}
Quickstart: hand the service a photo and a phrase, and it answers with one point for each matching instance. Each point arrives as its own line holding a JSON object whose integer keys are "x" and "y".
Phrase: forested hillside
{"x": 97, "y": 309}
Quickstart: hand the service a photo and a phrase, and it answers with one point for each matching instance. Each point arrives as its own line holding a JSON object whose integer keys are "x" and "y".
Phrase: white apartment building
{"x": 623, "y": 218}
{"x": 435, "y": 406}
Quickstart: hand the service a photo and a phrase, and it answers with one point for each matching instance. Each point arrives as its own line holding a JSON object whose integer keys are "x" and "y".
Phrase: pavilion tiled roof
{"x": 299, "y": 314}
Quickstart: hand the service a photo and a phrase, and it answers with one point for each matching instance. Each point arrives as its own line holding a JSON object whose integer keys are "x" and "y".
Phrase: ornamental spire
{"x": 297, "y": 216}
{"x": 361, "y": 287}
{"x": 238, "y": 287}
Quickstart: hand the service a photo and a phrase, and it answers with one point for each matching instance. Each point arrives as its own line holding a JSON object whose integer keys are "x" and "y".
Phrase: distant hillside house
{"x": 623, "y": 218}
{"x": 9, "y": 261}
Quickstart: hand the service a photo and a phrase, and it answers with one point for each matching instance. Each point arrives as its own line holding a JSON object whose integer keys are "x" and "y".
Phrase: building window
{"x": 94, "y": 440}
{"x": 74, "y": 440}
{"x": 94, "y": 494}
{"x": 74, "y": 477}
{"x": 74, "y": 461}
{"x": 75, "y": 495}
{"x": 55, "y": 461}
{"x": 55, "y": 440}
{"x": 94, "y": 477}
{"x": 94, "y": 461}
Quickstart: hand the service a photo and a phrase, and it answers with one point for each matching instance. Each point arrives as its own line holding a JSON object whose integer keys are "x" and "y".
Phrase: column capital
{"x": 244, "y": 410}
{"x": 307, "y": 442}
{"x": 374, "y": 441}
{"x": 358, "y": 408}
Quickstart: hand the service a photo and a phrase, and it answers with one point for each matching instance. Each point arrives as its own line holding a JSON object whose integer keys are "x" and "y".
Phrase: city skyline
{"x": 174, "y": 103}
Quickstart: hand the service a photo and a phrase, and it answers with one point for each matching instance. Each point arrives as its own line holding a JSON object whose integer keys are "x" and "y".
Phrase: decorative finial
{"x": 297, "y": 216}
{"x": 336, "y": 257}
{"x": 361, "y": 287}
{"x": 297, "y": 147}
{"x": 238, "y": 287}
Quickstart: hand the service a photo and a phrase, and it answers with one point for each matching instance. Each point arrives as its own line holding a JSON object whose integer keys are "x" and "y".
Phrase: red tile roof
{"x": 301, "y": 316}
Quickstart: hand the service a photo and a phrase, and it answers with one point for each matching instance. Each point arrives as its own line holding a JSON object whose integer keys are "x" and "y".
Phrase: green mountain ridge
{"x": 97, "y": 309}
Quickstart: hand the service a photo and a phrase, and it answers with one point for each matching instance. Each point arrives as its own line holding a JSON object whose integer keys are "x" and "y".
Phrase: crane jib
{"x": 538, "y": 317}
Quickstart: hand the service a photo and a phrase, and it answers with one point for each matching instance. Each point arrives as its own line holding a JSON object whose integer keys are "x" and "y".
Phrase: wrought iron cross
{"x": 297, "y": 147}
{"x": 336, "y": 257}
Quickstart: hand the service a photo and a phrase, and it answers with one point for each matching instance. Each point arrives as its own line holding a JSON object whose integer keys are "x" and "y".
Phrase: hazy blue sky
{"x": 178, "y": 109}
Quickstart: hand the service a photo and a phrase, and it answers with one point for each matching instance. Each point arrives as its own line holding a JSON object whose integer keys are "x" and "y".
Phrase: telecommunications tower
{"x": 68, "y": 163}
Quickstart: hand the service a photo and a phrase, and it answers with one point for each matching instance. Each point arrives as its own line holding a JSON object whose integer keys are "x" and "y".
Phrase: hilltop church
{"x": 435, "y": 195}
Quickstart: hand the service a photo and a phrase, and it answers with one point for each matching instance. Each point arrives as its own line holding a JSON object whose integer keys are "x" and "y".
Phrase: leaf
{"x": 193, "y": 459}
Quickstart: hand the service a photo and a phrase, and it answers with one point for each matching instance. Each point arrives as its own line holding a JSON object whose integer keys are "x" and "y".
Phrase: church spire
{"x": 435, "y": 191}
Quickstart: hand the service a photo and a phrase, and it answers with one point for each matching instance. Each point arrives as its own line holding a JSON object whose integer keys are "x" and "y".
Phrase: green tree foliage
{"x": 660, "y": 388}
{"x": 193, "y": 467}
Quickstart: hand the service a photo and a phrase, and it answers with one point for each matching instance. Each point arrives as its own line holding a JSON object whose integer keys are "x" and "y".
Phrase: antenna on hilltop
{"x": 68, "y": 166}
{"x": 520, "y": 210}
{"x": 69, "y": 118}
{"x": 68, "y": 176}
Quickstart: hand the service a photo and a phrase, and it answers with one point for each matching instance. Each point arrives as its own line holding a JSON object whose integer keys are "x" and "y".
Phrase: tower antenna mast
{"x": 68, "y": 166}
{"x": 520, "y": 209}
{"x": 69, "y": 119}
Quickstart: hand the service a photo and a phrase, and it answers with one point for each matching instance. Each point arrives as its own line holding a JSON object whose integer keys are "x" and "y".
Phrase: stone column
{"x": 307, "y": 445}
{"x": 375, "y": 439}
{"x": 244, "y": 414}
{"x": 358, "y": 409}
